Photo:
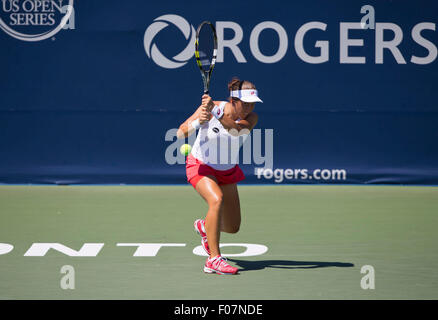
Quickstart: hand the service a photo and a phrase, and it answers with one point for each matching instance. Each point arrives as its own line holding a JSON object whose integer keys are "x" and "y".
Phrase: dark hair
{"x": 237, "y": 84}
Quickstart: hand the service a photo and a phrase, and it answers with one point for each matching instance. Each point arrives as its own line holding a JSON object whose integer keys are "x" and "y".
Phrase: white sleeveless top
{"x": 216, "y": 147}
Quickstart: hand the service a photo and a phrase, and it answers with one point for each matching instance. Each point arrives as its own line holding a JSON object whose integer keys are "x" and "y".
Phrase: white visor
{"x": 249, "y": 95}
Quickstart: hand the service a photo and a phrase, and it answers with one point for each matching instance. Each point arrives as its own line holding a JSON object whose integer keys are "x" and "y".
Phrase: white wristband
{"x": 218, "y": 111}
{"x": 195, "y": 124}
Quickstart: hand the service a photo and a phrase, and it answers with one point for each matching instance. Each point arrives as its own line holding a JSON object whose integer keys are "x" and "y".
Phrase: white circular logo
{"x": 155, "y": 54}
{"x": 34, "y": 20}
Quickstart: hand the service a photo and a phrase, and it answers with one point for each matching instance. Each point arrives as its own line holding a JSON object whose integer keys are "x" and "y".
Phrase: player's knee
{"x": 231, "y": 228}
{"x": 234, "y": 229}
{"x": 216, "y": 201}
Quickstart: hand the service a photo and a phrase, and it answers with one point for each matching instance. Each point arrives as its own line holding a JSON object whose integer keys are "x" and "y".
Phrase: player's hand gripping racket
{"x": 206, "y": 51}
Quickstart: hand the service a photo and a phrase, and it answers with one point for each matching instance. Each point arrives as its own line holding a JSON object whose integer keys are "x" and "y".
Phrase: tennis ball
{"x": 185, "y": 149}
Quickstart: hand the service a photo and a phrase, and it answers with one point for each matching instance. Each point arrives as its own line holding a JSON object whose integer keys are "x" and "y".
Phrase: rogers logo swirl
{"x": 155, "y": 54}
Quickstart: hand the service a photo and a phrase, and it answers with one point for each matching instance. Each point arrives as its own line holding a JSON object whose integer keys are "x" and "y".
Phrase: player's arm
{"x": 199, "y": 117}
{"x": 243, "y": 126}
{"x": 234, "y": 128}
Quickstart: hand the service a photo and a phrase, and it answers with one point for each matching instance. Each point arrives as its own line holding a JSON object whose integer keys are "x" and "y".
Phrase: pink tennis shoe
{"x": 219, "y": 265}
{"x": 200, "y": 229}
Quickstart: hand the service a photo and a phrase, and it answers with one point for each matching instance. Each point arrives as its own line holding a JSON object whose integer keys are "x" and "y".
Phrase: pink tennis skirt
{"x": 196, "y": 170}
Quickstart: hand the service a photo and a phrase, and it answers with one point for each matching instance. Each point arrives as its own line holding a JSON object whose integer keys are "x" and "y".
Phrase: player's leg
{"x": 230, "y": 210}
{"x": 208, "y": 188}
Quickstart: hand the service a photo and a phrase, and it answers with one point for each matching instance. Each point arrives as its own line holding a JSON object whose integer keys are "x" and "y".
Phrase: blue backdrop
{"x": 88, "y": 105}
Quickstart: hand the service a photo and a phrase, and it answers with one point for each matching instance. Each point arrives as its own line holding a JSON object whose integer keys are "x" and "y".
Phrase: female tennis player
{"x": 212, "y": 167}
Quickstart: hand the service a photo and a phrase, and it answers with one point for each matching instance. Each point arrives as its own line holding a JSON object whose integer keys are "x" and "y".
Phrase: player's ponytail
{"x": 237, "y": 84}
{"x": 234, "y": 84}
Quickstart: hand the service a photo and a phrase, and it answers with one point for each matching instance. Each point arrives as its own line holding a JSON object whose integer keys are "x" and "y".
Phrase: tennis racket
{"x": 206, "y": 51}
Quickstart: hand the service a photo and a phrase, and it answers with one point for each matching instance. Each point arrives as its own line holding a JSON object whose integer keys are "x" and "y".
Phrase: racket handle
{"x": 206, "y": 92}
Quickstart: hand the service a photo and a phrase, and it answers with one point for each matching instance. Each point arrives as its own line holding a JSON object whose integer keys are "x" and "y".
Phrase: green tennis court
{"x": 318, "y": 239}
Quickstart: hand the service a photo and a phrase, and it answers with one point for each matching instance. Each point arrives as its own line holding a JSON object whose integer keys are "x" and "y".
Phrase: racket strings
{"x": 205, "y": 51}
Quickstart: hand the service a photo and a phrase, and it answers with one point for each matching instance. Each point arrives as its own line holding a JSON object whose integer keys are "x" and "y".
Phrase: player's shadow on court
{"x": 287, "y": 264}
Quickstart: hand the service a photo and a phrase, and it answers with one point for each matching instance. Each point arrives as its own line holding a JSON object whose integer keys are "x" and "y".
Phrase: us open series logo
{"x": 35, "y": 20}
